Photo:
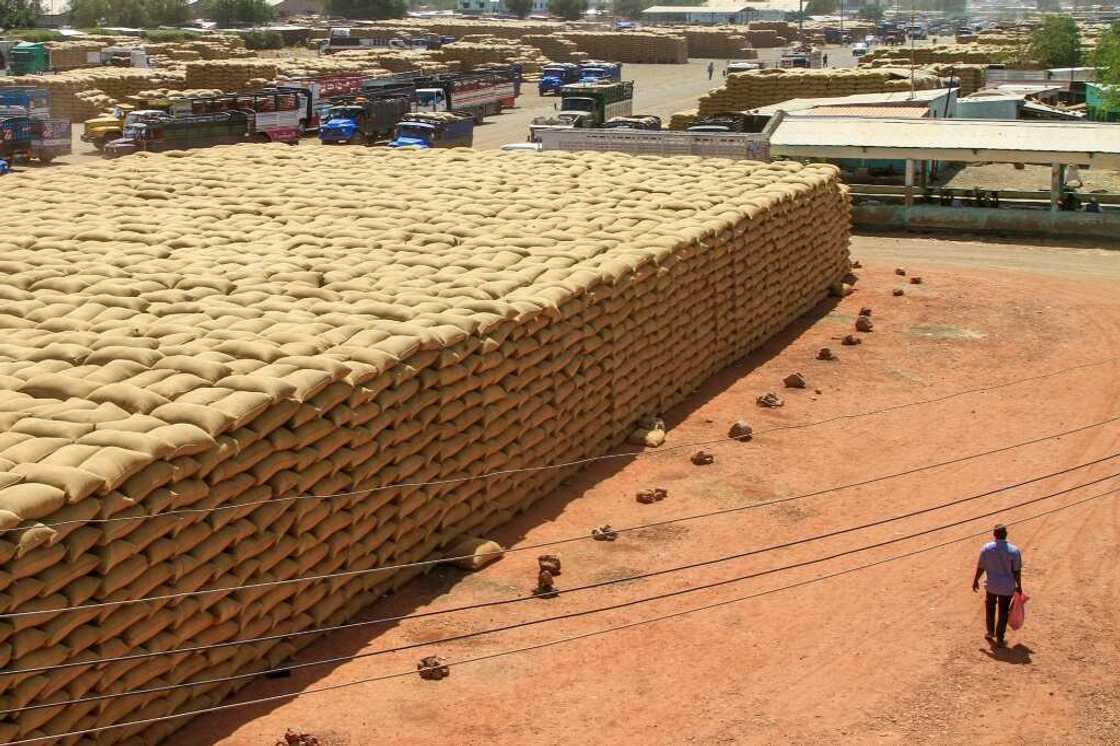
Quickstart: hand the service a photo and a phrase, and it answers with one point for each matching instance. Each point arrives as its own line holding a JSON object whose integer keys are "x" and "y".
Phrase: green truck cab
{"x": 29, "y": 58}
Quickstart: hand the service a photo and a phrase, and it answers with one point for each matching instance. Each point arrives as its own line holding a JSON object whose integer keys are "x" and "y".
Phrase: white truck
{"x": 736, "y": 145}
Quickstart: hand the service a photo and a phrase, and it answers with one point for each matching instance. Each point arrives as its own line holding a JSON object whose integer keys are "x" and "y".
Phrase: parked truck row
{"x": 559, "y": 74}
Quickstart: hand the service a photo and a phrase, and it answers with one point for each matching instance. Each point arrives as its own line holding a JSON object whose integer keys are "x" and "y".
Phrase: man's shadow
{"x": 1018, "y": 654}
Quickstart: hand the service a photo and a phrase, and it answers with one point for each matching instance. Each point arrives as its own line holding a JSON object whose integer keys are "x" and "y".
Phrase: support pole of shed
{"x": 1055, "y": 186}
{"x": 909, "y": 183}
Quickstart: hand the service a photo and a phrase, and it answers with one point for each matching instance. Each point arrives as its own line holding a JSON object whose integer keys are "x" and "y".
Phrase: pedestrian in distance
{"x": 711, "y": 69}
{"x": 1002, "y": 562}
{"x": 824, "y": 60}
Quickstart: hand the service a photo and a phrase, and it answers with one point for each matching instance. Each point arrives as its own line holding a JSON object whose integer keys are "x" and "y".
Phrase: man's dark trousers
{"x": 991, "y": 601}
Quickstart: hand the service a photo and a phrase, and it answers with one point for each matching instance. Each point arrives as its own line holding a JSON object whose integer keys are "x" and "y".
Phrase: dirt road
{"x": 888, "y": 654}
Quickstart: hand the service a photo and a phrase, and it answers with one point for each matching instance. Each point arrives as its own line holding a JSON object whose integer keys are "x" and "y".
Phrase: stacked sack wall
{"x": 750, "y": 90}
{"x": 253, "y": 324}
{"x": 555, "y": 48}
{"x": 637, "y": 47}
{"x": 229, "y": 75}
{"x": 73, "y": 93}
{"x": 717, "y": 44}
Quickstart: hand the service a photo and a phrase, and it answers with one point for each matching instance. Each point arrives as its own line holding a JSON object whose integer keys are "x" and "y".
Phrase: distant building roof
{"x": 734, "y": 7}
{"x": 965, "y": 140}
{"x": 894, "y": 97}
{"x": 883, "y": 111}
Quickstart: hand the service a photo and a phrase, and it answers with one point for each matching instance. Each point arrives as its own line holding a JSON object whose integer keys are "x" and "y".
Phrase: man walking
{"x": 1002, "y": 562}
{"x": 711, "y": 69}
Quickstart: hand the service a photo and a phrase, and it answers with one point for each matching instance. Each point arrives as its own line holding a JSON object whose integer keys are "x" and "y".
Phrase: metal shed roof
{"x": 966, "y": 140}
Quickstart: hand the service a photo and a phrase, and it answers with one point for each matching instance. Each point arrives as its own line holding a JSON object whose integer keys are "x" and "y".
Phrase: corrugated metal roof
{"x": 900, "y": 97}
{"x": 967, "y": 140}
{"x": 889, "y": 111}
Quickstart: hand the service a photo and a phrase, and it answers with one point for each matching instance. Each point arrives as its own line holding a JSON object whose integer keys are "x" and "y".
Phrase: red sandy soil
{"x": 890, "y": 654}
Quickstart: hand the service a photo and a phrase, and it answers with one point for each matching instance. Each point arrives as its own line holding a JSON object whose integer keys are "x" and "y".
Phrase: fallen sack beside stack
{"x": 217, "y": 330}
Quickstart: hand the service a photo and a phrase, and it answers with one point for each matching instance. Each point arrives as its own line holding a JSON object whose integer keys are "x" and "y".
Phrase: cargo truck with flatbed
{"x": 587, "y": 105}
{"x": 361, "y": 120}
{"x": 423, "y": 130}
{"x": 157, "y": 131}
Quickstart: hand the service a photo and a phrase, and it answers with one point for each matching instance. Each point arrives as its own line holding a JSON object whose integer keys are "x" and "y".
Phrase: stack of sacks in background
{"x": 310, "y": 67}
{"x": 229, "y": 75}
{"x": 460, "y": 28}
{"x": 215, "y": 331}
{"x": 212, "y": 48}
{"x": 717, "y": 43}
{"x": 70, "y": 55}
{"x": 969, "y": 78}
{"x": 764, "y": 38}
{"x": 156, "y": 93}
{"x": 93, "y": 100}
{"x": 556, "y": 48}
{"x": 682, "y": 120}
{"x": 116, "y": 82}
{"x": 954, "y": 53}
{"x": 750, "y": 90}
{"x": 635, "y": 46}
{"x": 471, "y": 54}
{"x": 397, "y": 60}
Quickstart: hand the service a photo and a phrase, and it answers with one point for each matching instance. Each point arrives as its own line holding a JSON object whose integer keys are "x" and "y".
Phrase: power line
{"x": 594, "y": 633}
{"x": 368, "y": 571}
{"x": 566, "y": 464}
{"x": 519, "y": 599}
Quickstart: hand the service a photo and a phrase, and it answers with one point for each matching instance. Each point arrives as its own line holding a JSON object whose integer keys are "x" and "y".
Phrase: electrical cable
{"x": 566, "y": 464}
{"x": 519, "y": 599}
{"x": 593, "y": 633}
{"x": 368, "y": 571}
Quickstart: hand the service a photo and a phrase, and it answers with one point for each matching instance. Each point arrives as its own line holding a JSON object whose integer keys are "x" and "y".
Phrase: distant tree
{"x": 227, "y": 13}
{"x": 18, "y": 13}
{"x": 569, "y": 10}
{"x": 631, "y": 9}
{"x": 1050, "y": 6}
{"x": 520, "y": 8}
{"x": 168, "y": 12}
{"x": 873, "y": 12}
{"x": 373, "y": 10}
{"x": 822, "y": 7}
{"x": 1106, "y": 58}
{"x": 1056, "y": 43}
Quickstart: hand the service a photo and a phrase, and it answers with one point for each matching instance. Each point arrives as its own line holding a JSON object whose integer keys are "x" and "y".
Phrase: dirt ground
{"x": 1006, "y": 176}
{"x": 892, "y": 654}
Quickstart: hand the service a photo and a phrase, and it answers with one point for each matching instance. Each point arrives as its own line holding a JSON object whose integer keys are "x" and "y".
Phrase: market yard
{"x": 326, "y": 420}
{"x": 890, "y": 654}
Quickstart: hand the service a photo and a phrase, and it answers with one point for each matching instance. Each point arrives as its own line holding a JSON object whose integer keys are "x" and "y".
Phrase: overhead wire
{"x": 368, "y": 571}
{"x": 591, "y": 586}
{"x": 566, "y": 464}
{"x": 598, "y": 632}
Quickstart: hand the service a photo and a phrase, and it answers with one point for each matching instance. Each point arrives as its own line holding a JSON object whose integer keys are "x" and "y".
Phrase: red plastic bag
{"x": 1018, "y": 613}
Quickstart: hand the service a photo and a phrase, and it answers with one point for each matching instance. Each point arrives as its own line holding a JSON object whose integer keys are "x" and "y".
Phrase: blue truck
{"x": 358, "y": 119}
{"x": 445, "y": 129}
{"x": 596, "y": 72}
{"x": 556, "y": 76}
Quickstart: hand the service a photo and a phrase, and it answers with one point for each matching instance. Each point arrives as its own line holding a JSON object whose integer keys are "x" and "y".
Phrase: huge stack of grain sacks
{"x": 750, "y": 90}
{"x": 638, "y": 47}
{"x": 77, "y": 94}
{"x": 473, "y": 51}
{"x": 272, "y": 340}
{"x": 228, "y": 75}
{"x": 556, "y": 48}
{"x": 953, "y": 53}
{"x": 717, "y": 43}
